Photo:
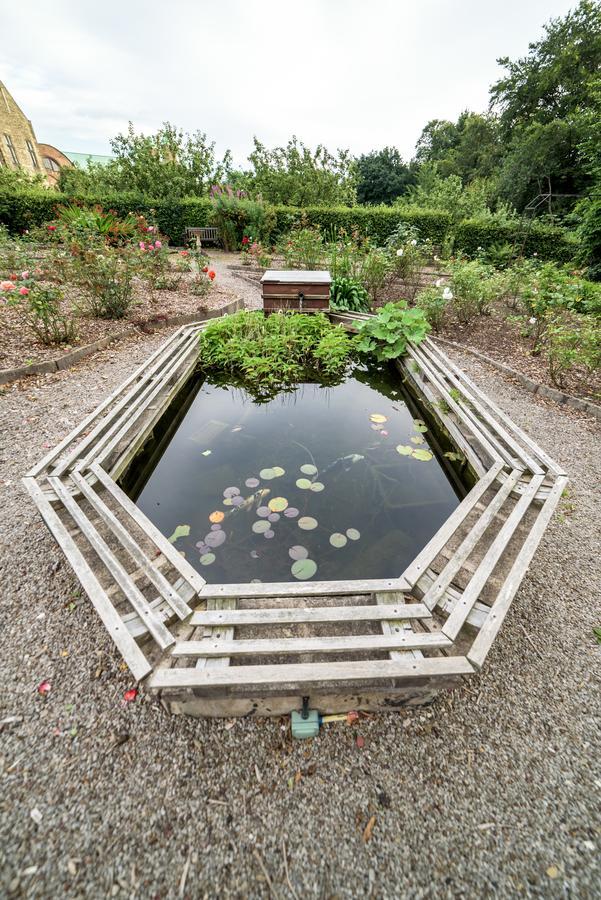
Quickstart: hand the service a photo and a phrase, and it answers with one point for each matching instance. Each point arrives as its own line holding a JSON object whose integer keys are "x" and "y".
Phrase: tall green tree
{"x": 382, "y": 176}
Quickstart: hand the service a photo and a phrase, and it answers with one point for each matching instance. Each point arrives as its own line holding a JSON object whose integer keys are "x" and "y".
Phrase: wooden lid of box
{"x": 296, "y": 276}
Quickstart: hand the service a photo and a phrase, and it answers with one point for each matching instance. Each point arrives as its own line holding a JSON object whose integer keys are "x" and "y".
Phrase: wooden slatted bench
{"x": 201, "y": 236}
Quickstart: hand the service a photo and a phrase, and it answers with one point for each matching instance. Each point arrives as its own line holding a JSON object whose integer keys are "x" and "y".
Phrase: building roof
{"x": 84, "y": 159}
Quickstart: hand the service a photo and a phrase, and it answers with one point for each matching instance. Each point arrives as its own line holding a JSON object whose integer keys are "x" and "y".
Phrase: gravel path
{"x": 494, "y": 790}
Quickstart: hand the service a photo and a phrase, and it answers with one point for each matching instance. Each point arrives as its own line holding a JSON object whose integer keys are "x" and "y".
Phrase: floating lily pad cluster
{"x": 418, "y": 452}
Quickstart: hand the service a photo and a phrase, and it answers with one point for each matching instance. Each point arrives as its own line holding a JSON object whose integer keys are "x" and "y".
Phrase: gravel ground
{"x": 493, "y": 790}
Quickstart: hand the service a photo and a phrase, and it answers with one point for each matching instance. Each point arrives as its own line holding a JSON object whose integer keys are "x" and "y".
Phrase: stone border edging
{"x": 69, "y": 359}
{"x": 541, "y": 390}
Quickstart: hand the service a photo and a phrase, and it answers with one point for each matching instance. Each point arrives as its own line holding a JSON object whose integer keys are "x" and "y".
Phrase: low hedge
{"x": 547, "y": 241}
{"x": 21, "y": 211}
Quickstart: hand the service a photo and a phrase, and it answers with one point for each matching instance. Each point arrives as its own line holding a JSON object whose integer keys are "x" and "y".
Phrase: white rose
{"x": 447, "y": 294}
{"x": 399, "y": 251}
{"x": 413, "y": 242}
{"x": 438, "y": 282}
{"x": 532, "y": 321}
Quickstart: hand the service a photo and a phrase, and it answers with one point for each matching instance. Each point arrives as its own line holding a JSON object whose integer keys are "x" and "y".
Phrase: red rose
{"x": 245, "y": 240}
{"x": 205, "y": 268}
{"x": 12, "y": 277}
{"x": 211, "y": 275}
{"x": 51, "y": 227}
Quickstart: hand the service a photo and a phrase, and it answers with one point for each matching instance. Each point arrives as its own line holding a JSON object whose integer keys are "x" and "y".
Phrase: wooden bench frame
{"x": 431, "y": 626}
{"x": 204, "y": 235}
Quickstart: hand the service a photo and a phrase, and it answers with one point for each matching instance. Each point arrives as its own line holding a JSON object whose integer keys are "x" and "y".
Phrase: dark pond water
{"x": 322, "y": 482}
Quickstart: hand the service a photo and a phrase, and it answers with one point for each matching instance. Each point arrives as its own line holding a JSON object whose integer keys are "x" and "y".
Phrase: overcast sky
{"x": 358, "y": 74}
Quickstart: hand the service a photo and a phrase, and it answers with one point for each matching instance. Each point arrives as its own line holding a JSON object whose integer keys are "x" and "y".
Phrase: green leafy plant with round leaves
{"x": 348, "y": 294}
{"x": 386, "y": 335}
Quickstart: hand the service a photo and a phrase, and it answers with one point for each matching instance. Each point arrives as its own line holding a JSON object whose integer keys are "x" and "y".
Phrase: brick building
{"x": 19, "y": 148}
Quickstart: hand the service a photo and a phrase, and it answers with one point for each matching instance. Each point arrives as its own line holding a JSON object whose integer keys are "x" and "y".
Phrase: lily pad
{"x": 231, "y": 492}
{"x": 309, "y": 469}
{"x": 307, "y": 523}
{"x": 254, "y": 554}
{"x": 269, "y": 534}
{"x": 420, "y": 425}
{"x": 337, "y": 539}
{"x": 207, "y": 558}
{"x": 298, "y": 552}
{"x": 228, "y": 501}
{"x": 378, "y": 418}
{"x": 303, "y": 483}
{"x": 216, "y": 527}
{"x": 353, "y": 534}
{"x": 215, "y": 539}
{"x": 201, "y": 546}
{"x": 237, "y": 501}
{"x": 267, "y": 474}
{"x": 424, "y": 455}
{"x": 317, "y": 486}
{"x": 404, "y": 449}
{"x": 206, "y": 452}
{"x": 273, "y": 517}
{"x": 180, "y": 531}
{"x": 303, "y": 569}
{"x": 217, "y": 516}
{"x": 291, "y": 512}
{"x": 260, "y": 526}
{"x": 417, "y": 439}
{"x": 277, "y": 504}
{"x": 278, "y": 471}
{"x": 263, "y": 511}
{"x": 252, "y": 482}
{"x": 377, "y": 427}
{"x": 454, "y": 457}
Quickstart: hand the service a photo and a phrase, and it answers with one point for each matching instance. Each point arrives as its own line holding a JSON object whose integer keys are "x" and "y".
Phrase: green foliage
{"x": 382, "y": 176}
{"x": 377, "y": 268}
{"x": 590, "y": 231}
{"x": 544, "y": 241}
{"x": 237, "y": 216}
{"x": 303, "y": 248}
{"x": 295, "y": 175}
{"x": 374, "y": 222}
{"x": 433, "y": 303}
{"x": 572, "y": 340}
{"x": 468, "y": 149}
{"x": 386, "y": 335}
{"x": 433, "y": 191}
{"x": 271, "y": 353}
{"x": 19, "y": 180}
{"x": 105, "y": 276}
{"x": 473, "y": 288}
{"x": 348, "y": 294}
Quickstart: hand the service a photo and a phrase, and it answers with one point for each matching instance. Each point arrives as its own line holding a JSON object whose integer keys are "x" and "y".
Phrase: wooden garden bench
{"x": 202, "y": 235}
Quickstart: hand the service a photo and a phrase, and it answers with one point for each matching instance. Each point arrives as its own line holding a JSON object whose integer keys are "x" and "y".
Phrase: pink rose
{"x": 142, "y": 245}
{"x": 24, "y": 275}
{"x": 23, "y": 291}
{"x": 6, "y": 286}
{"x": 157, "y": 245}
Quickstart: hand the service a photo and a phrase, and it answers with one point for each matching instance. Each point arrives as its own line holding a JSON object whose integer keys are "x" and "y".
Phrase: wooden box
{"x": 296, "y": 289}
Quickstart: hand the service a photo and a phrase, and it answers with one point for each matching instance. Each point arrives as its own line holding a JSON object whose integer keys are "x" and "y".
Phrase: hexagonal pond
{"x": 325, "y": 483}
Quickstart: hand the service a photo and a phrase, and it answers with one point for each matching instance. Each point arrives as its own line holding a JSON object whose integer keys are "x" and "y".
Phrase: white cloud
{"x": 346, "y": 73}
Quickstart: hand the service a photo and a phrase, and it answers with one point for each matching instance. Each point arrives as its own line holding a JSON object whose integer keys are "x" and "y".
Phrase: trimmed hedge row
{"x": 547, "y": 241}
{"x": 22, "y": 211}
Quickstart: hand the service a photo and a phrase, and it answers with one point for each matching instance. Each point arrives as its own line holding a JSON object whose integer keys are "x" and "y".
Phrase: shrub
{"x": 303, "y": 248}
{"x": 42, "y": 305}
{"x": 590, "y": 232}
{"x": 374, "y": 222}
{"x": 472, "y": 288}
{"x": 271, "y": 353}
{"x": 348, "y": 294}
{"x": 386, "y": 335}
{"x": 106, "y": 279}
{"x": 571, "y": 340}
{"x": 238, "y": 216}
{"x": 433, "y": 303}
{"x": 530, "y": 239}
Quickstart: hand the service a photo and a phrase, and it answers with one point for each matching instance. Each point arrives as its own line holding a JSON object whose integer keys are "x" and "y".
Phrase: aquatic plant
{"x": 386, "y": 335}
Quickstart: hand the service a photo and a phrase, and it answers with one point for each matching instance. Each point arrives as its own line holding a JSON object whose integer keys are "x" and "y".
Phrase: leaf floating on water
{"x": 317, "y": 486}
{"x": 404, "y": 449}
{"x": 291, "y": 512}
{"x": 254, "y": 554}
{"x": 231, "y": 492}
{"x": 277, "y": 504}
{"x": 307, "y": 523}
{"x": 309, "y": 469}
{"x": 207, "y": 558}
{"x": 269, "y": 534}
{"x": 424, "y": 455}
{"x": 377, "y": 427}
{"x": 352, "y": 534}
{"x": 273, "y": 517}
{"x": 337, "y": 539}
{"x": 206, "y": 452}
{"x": 278, "y": 471}
{"x": 263, "y": 511}
{"x": 215, "y": 539}
{"x": 378, "y": 418}
{"x": 237, "y": 501}
{"x": 267, "y": 474}
{"x": 298, "y": 552}
{"x": 217, "y": 516}
{"x": 252, "y": 482}
{"x": 180, "y": 531}
{"x": 417, "y": 439}
{"x": 260, "y": 526}
{"x": 228, "y": 501}
{"x": 454, "y": 457}
{"x": 420, "y": 425}
{"x": 303, "y": 483}
{"x": 303, "y": 569}
{"x": 216, "y": 527}
{"x": 236, "y": 428}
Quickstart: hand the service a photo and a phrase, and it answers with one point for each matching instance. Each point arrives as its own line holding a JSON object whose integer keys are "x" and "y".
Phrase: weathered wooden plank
{"x": 434, "y": 594}
{"x": 136, "y": 626}
{"x": 500, "y": 608}
{"x": 430, "y": 351}
{"x": 300, "y": 675}
{"x": 224, "y": 635}
{"x": 478, "y": 613}
{"x": 540, "y": 454}
{"x": 434, "y": 546}
{"x": 214, "y": 646}
{"x": 133, "y": 656}
{"x": 137, "y": 554}
{"x": 152, "y": 532}
{"x": 304, "y": 588}
{"x": 368, "y": 613}
{"x": 455, "y": 621}
{"x": 136, "y": 598}
{"x": 397, "y": 627}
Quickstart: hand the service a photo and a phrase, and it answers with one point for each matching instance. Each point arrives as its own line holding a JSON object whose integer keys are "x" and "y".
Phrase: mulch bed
{"x": 19, "y": 346}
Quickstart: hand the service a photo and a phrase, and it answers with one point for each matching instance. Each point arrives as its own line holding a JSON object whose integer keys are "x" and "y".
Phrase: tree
{"x": 469, "y": 148}
{"x": 294, "y": 175}
{"x": 382, "y": 176}
{"x": 169, "y": 164}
